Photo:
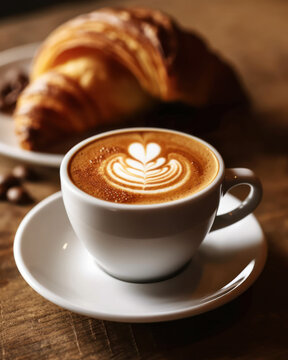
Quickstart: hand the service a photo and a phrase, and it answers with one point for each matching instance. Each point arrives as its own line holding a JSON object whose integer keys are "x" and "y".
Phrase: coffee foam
{"x": 143, "y": 171}
{"x": 143, "y": 167}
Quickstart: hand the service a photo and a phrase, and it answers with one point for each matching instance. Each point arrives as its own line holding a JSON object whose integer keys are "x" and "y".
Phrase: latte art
{"x": 145, "y": 171}
{"x": 143, "y": 167}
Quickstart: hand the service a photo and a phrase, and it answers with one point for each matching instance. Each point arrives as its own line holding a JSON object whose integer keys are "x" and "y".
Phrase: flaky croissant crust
{"x": 144, "y": 41}
{"x": 166, "y": 60}
{"x": 109, "y": 63}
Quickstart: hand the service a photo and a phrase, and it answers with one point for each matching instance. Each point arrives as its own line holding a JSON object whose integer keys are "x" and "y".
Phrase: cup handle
{"x": 234, "y": 177}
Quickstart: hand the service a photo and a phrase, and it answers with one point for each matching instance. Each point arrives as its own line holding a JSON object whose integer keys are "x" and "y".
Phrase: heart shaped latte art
{"x": 144, "y": 170}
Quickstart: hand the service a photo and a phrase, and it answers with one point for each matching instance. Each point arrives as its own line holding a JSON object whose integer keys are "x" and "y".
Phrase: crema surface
{"x": 143, "y": 167}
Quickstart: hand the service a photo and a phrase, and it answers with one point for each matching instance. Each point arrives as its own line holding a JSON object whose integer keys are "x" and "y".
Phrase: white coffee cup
{"x": 143, "y": 243}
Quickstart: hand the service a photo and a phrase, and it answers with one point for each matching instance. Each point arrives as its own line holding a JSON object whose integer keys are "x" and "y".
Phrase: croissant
{"x": 112, "y": 63}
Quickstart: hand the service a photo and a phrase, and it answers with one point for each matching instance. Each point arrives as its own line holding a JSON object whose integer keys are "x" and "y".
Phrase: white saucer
{"x": 54, "y": 263}
{"x": 20, "y": 57}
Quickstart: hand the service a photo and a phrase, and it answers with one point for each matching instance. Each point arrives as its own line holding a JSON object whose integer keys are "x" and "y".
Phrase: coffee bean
{"x": 3, "y": 191}
{"x": 18, "y": 195}
{"x": 10, "y": 88}
{"x": 8, "y": 181}
{"x": 24, "y": 173}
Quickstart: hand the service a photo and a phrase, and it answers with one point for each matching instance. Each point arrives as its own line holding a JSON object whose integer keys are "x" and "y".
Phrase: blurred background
{"x": 22, "y": 7}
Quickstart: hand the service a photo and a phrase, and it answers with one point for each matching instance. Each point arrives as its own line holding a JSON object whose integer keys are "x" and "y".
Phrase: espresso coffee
{"x": 143, "y": 167}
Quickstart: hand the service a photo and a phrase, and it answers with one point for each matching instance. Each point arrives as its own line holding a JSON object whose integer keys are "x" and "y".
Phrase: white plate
{"x": 54, "y": 263}
{"x": 20, "y": 57}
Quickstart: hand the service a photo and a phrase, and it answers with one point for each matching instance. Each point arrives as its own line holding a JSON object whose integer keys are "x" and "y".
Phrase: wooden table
{"x": 252, "y": 35}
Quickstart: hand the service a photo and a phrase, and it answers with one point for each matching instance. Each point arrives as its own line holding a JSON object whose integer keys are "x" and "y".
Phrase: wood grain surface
{"x": 252, "y": 36}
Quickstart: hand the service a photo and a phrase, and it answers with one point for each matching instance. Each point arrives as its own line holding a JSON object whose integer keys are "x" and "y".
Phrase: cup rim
{"x": 66, "y": 181}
